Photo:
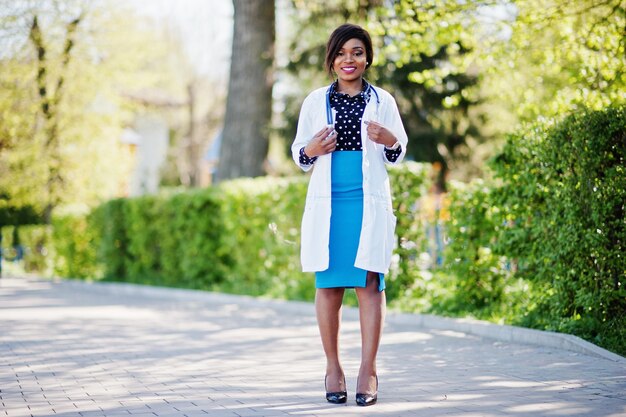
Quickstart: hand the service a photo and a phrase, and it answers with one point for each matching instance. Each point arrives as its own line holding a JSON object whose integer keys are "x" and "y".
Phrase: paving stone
{"x": 74, "y": 349}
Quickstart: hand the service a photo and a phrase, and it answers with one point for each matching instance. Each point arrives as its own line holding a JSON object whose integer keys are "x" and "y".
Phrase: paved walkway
{"x": 75, "y": 349}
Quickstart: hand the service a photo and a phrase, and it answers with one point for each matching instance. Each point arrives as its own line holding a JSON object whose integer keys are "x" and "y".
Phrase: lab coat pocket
{"x": 315, "y": 234}
{"x": 377, "y": 236}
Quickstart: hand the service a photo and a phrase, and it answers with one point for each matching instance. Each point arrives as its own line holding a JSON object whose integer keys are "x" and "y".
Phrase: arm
{"x": 302, "y": 134}
{"x": 394, "y": 124}
{"x": 393, "y": 149}
{"x": 308, "y": 145}
{"x": 390, "y": 132}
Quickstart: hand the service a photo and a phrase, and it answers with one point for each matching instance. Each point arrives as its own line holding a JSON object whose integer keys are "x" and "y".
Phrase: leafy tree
{"x": 68, "y": 69}
{"x": 422, "y": 62}
{"x": 466, "y": 73}
{"x": 559, "y": 56}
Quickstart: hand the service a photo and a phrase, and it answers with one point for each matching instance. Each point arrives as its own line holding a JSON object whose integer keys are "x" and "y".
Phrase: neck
{"x": 350, "y": 87}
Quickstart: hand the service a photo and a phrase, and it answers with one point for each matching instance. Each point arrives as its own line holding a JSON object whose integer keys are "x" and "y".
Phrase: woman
{"x": 347, "y": 133}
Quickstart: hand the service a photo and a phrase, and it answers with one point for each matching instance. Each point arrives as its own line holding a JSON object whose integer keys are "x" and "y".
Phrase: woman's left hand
{"x": 380, "y": 134}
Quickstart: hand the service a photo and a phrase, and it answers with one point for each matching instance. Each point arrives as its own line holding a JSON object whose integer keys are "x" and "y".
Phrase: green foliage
{"x": 469, "y": 255}
{"x": 64, "y": 100}
{"x": 464, "y": 73}
{"x": 560, "y": 56}
{"x": 190, "y": 233}
{"x": 171, "y": 241}
{"x": 111, "y": 244}
{"x": 21, "y": 215}
{"x": 141, "y": 217}
{"x": 74, "y": 247}
{"x": 476, "y": 280}
{"x": 243, "y": 237}
{"x": 563, "y": 192}
{"x": 36, "y": 244}
{"x": 262, "y": 234}
{"x": 409, "y": 182}
{"x": 542, "y": 244}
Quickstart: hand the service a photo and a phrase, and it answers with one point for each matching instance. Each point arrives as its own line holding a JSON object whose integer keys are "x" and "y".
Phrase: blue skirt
{"x": 345, "y": 224}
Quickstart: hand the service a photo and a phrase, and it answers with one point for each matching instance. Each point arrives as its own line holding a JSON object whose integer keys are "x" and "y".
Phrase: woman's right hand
{"x": 324, "y": 141}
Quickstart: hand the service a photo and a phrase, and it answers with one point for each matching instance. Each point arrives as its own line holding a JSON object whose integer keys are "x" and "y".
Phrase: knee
{"x": 329, "y": 294}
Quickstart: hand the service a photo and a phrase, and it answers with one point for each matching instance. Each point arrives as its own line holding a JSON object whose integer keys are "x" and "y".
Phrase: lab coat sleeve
{"x": 304, "y": 133}
{"x": 393, "y": 122}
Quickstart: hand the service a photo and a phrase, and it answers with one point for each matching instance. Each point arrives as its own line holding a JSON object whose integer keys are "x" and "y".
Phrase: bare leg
{"x": 328, "y": 308}
{"x": 372, "y": 317}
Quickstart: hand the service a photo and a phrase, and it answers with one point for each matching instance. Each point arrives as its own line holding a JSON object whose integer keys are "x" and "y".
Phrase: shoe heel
{"x": 338, "y": 397}
{"x": 365, "y": 400}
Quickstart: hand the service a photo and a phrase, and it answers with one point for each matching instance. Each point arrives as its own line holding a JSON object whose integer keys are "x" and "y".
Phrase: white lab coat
{"x": 377, "y": 230}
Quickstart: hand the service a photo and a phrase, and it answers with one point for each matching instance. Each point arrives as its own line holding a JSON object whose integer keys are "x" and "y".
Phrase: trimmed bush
{"x": 563, "y": 192}
{"x": 241, "y": 237}
{"x": 74, "y": 247}
{"x": 475, "y": 280}
{"x": 171, "y": 241}
{"x": 111, "y": 243}
{"x": 36, "y": 244}
{"x": 262, "y": 234}
{"x": 409, "y": 182}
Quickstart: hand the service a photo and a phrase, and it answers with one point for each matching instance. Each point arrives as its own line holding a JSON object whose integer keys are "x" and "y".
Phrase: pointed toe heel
{"x": 338, "y": 397}
{"x": 365, "y": 400}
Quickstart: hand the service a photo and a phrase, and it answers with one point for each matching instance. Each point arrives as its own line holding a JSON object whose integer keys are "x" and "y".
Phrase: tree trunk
{"x": 193, "y": 159}
{"x": 49, "y": 103}
{"x": 249, "y": 103}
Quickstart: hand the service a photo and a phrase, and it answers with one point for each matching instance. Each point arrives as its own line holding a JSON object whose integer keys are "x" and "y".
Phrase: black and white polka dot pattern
{"x": 348, "y": 118}
{"x": 349, "y": 113}
{"x": 393, "y": 154}
{"x": 304, "y": 159}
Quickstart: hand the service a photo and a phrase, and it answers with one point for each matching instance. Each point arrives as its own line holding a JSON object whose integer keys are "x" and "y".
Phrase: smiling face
{"x": 350, "y": 62}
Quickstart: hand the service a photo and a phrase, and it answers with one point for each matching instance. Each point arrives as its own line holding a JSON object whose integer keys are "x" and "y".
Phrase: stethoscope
{"x": 329, "y": 112}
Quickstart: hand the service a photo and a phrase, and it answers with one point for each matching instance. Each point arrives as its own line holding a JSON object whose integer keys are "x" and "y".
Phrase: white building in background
{"x": 149, "y": 141}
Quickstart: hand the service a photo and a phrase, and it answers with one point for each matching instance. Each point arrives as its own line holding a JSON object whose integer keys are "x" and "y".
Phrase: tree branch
{"x": 37, "y": 40}
{"x": 67, "y": 54}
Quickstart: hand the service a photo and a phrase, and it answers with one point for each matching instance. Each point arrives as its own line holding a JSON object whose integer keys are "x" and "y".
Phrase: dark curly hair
{"x": 340, "y": 36}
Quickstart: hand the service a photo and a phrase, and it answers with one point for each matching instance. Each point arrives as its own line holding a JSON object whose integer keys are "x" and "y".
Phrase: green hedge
{"x": 36, "y": 244}
{"x": 475, "y": 279}
{"x": 262, "y": 235}
{"x": 74, "y": 247}
{"x": 542, "y": 244}
{"x": 171, "y": 241}
{"x": 241, "y": 237}
{"x": 563, "y": 197}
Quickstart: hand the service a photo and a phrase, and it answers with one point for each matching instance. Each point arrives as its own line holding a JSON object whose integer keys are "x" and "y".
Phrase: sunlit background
{"x": 138, "y": 142}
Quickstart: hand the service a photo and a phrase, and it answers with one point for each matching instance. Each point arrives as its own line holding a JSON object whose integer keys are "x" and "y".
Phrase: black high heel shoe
{"x": 338, "y": 397}
{"x": 365, "y": 400}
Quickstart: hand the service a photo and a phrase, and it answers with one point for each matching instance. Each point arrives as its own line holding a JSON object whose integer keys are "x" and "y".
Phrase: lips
{"x": 348, "y": 70}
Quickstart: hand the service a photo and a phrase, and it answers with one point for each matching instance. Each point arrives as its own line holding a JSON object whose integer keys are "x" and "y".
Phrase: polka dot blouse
{"x": 349, "y": 114}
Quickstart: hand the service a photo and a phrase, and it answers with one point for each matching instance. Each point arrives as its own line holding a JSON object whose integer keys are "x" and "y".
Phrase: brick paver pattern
{"x": 73, "y": 349}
